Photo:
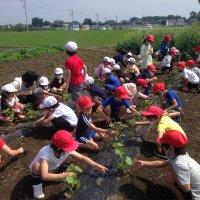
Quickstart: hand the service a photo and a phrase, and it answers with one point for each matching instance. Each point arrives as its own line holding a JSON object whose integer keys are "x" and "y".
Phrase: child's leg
{"x": 171, "y": 182}
{"x": 37, "y": 181}
{"x": 91, "y": 145}
{"x": 122, "y": 110}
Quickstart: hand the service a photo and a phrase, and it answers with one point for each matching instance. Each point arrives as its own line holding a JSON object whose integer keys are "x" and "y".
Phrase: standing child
{"x": 10, "y": 101}
{"x": 58, "y": 84}
{"x": 50, "y": 164}
{"x": 197, "y": 52}
{"x": 74, "y": 66}
{"x": 146, "y": 51}
{"x": 6, "y": 149}
{"x": 86, "y": 131}
{"x": 61, "y": 116}
{"x": 183, "y": 175}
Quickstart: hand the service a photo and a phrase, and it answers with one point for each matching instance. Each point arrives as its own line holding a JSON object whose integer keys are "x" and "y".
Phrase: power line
{"x": 24, "y": 6}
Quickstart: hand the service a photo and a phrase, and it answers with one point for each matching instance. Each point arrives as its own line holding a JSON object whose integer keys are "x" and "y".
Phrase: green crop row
{"x": 23, "y": 53}
{"x": 184, "y": 39}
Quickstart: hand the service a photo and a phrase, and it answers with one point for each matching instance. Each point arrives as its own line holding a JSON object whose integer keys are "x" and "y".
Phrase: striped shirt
{"x": 83, "y": 124}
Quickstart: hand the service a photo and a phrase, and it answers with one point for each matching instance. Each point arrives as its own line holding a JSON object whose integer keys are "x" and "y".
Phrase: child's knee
{"x": 94, "y": 146}
{"x": 36, "y": 168}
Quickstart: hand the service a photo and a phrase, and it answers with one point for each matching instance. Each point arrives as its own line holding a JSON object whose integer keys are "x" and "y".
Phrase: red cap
{"x": 141, "y": 81}
{"x": 153, "y": 110}
{"x": 180, "y": 65}
{"x": 167, "y": 38}
{"x": 151, "y": 67}
{"x": 64, "y": 140}
{"x": 1, "y": 143}
{"x": 197, "y": 48}
{"x": 85, "y": 102}
{"x": 190, "y": 63}
{"x": 150, "y": 38}
{"x": 174, "y": 138}
{"x": 158, "y": 87}
{"x": 173, "y": 52}
{"x": 121, "y": 92}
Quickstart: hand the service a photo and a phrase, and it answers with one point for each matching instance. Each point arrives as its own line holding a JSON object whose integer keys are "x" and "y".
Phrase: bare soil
{"x": 146, "y": 184}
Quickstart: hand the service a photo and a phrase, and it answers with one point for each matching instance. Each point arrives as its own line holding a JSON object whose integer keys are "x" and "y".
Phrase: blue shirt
{"x": 83, "y": 124}
{"x": 170, "y": 95}
{"x": 115, "y": 105}
{"x": 113, "y": 80}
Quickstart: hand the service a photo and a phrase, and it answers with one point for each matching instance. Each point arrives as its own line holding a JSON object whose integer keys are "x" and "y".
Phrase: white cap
{"x": 43, "y": 81}
{"x": 89, "y": 80}
{"x": 71, "y": 46}
{"x": 116, "y": 67}
{"x": 132, "y": 60}
{"x": 9, "y": 88}
{"x": 58, "y": 70}
{"x": 112, "y": 61}
{"x": 139, "y": 57}
{"x": 48, "y": 102}
{"x": 106, "y": 59}
{"x": 106, "y": 71}
{"x": 129, "y": 54}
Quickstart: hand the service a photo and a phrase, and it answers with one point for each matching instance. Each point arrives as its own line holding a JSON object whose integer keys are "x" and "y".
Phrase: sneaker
{"x": 38, "y": 191}
{"x": 160, "y": 155}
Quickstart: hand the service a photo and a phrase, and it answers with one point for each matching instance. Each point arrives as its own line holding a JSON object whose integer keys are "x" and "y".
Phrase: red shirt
{"x": 1, "y": 143}
{"x": 75, "y": 65}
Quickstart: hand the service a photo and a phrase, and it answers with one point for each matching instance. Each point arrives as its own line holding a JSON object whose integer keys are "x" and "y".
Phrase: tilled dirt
{"x": 147, "y": 184}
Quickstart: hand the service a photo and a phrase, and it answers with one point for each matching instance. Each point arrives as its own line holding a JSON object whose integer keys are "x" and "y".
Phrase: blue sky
{"x": 12, "y": 11}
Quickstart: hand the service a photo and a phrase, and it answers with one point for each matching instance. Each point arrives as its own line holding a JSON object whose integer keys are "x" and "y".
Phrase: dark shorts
{"x": 61, "y": 124}
{"x": 87, "y": 136}
{"x": 192, "y": 85}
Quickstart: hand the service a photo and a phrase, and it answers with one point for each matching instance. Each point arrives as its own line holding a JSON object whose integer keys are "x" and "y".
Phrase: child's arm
{"x": 54, "y": 95}
{"x": 50, "y": 176}
{"x": 101, "y": 112}
{"x": 45, "y": 118}
{"x": 100, "y": 130}
{"x": 139, "y": 164}
{"x": 90, "y": 162}
{"x": 6, "y": 149}
{"x": 68, "y": 76}
{"x": 143, "y": 123}
{"x": 133, "y": 110}
{"x": 174, "y": 105}
{"x": 85, "y": 71}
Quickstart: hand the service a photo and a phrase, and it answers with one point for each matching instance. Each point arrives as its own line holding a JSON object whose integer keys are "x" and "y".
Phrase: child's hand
{"x": 138, "y": 165}
{"x": 108, "y": 120}
{"x": 101, "y": 168}
{"x": 39, "y": 121}
{"x": 69, "y": 173}
{"x": 20, "y": 150}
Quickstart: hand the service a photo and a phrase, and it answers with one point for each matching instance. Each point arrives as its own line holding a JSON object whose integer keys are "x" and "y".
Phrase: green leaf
{"x": 70, "y": 180}
{"x": 128, "y": 161}
{"x": 78, "y": 169}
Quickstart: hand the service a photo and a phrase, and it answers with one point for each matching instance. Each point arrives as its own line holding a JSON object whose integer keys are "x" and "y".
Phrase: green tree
{"x": 37, "y": 22}
{"x": 88, "y": 21}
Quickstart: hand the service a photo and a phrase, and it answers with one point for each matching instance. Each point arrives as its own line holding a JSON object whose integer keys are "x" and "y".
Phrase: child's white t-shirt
{"x": 191, "y": 76}
{"x": 166, "y": 61}
{"x": 187, "y": 171}
{"x": 65, "y": 113}
{"x": 47, "y": 153}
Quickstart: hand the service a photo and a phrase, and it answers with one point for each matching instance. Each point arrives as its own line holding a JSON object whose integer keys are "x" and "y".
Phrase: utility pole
{"x": 116, "y": 19}
{"x": 97, "y": 18}
{"x": 71, "y": 13}
{"x": 24, "y": 6}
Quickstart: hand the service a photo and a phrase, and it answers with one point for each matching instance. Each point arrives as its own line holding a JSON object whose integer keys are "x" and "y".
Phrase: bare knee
{"x": 36, "y": 168}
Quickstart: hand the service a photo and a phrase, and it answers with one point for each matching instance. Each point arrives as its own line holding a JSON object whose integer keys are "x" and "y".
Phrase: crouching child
{"x": 51, "y": 162}
{"x": 86, "y": 131}
{"x": 183, "y": 175}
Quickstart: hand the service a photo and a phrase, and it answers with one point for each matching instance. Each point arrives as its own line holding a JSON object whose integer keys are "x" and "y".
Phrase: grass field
{"x": 59, "y": 38}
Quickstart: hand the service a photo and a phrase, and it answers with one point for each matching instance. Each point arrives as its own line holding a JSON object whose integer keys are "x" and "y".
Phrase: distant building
{"x": 95, "y": 27}
{"x": 180, "y": 22}
{"x": 85, "y": 27}
{"x": 75, "y": 27}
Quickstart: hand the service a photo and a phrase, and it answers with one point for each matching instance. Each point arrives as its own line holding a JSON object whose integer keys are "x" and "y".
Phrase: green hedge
{"x": 184, "y": 38}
